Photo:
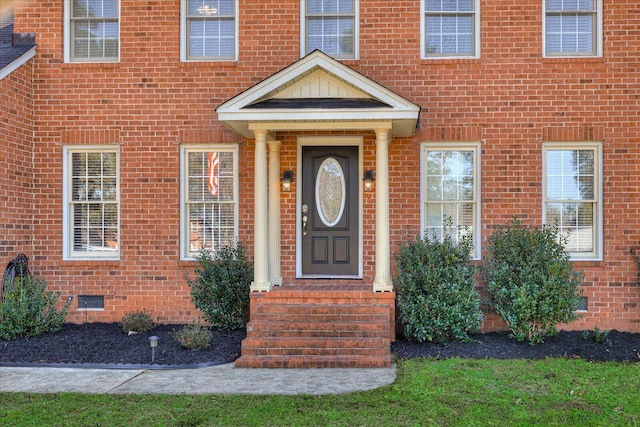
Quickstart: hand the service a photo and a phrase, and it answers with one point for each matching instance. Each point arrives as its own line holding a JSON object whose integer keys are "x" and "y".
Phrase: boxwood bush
{"x": 530, "y": 280}
{"x": 29, "y": 309}
{"x": 221, "y": 286}
{"x": 436, "y": 290}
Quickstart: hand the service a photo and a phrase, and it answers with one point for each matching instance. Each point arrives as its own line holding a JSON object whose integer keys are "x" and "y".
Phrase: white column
{"x": 274, "y": 212}
{"x": 382, "y": 281}
{"x": 261, "y": 281}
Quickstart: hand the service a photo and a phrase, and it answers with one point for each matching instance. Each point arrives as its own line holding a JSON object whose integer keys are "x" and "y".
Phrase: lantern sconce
{"x": 368, "y": 180}
{"x": 287, "y": 179}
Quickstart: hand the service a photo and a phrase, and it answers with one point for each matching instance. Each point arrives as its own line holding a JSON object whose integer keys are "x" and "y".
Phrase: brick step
{"x": 305, "y": 299}
{"x": 362, "y": 329}
{"x": 311, "y": 328}
{"x": 302, "y": 316}
{"x": 320, "y": 308}
{"x": 274, "y": 362}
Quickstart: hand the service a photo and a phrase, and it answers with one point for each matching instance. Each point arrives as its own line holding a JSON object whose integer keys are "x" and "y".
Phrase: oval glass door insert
{"x": 330, "y": 192}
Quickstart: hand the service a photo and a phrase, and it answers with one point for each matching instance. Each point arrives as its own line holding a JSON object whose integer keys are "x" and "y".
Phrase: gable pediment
{"x": 320, "y": 84}
{"x": 318, "y": 89}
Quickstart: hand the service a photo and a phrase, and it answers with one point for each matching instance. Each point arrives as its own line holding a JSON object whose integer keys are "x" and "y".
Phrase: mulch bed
{"x": 105, "y": 343}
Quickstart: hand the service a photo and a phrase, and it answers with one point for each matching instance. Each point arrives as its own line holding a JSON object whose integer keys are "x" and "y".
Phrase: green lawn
{"x": 427, "y": 392}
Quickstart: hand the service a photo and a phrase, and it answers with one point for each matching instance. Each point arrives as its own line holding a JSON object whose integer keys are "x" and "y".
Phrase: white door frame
{"x": 327, "y": 140}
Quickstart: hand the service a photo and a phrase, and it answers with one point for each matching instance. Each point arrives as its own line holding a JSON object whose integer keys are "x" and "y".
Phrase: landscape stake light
{"x": 153, "y": 341}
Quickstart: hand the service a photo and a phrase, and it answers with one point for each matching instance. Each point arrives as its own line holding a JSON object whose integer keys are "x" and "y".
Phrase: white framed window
{"x": 330, "y": 26}
{"x": 572, "y": 27}
{"x": 450, "y": 28}
{"x": 573, "y": 196}
{"x": 208, "y": 30}
{"x": 92, "y": 30}
{"x": 209, "y": 198}
{"x": 91, "y": 202}
{"x": 451, "y": 191}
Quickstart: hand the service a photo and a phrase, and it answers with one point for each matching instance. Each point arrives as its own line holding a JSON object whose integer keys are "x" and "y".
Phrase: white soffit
{"x": 317, "y": 78}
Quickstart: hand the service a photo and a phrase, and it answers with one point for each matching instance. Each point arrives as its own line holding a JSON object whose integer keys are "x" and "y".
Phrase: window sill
{"x": 209, "y": 64}
{"x": 91, "y": 65}
{"x": 92, "y": 261}
{"x": 572, "y": 59}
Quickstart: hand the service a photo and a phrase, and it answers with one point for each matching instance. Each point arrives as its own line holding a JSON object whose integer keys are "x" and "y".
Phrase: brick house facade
{"x": 535, "y": 101}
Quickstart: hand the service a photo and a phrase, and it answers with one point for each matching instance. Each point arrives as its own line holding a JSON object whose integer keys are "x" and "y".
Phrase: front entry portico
{"x": 317, "y": 94}
{"x": 315, "y": 318}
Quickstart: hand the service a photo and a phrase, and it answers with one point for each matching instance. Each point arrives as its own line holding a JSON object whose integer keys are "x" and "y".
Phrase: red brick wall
{"x": 15, "y": 167}
{"x": 511, "y": 99}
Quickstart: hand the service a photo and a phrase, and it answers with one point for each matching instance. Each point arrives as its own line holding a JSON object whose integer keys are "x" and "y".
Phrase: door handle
{"x": 305, "y": 210}
{"x": 304, "y": 225}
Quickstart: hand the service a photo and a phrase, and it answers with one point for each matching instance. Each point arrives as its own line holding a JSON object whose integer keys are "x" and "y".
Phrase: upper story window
{"x": 450, "y": 28}
{"x": 208, "y": 30}
{"x": 91, "y": 226}
{"x": 330, "y": 26}
{"x": 451, "y": 191}
{"x": 573, "y": 27}
{"x": 572, "y": 196}
{"x": 209, "y": 208}
{"x": 92, "y": 30}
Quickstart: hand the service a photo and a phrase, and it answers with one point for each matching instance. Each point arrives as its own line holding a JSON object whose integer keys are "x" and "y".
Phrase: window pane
{"x": 448, "y": 5}
{"x": 570, "y": 175}
{"x": 449, "y": 192}
{"x": 570, "y": 198}
{"x": 211, "y": 29}
{"x": 330, "y": 27}
{"x": 93, "y": 196}
{"x": 449, "y": 27}
{"x": 570, "y": 27}
{"x": 211, "y": 206}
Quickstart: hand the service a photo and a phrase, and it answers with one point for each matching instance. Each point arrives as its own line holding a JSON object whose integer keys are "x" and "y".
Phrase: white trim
{"x": 458, "y": 146}
{"x": 356, "y": 31}
{"x": 184, "y": 221}
{"x": 401, "y": 113}
{"x": 599, "y": 36}
{"x": 598, "y": 234}
{"x": 67, "y": 241}
{"x": 476, "y": 35}
{"x": 67, "y": 57}
{"x": 340, "y": 141}
{"x": 19, "y": 62}
{"x": 183, "y": 35}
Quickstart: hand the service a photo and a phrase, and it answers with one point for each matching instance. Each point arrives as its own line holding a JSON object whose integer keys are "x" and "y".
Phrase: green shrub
{"x": 221, "y": 288}
{"x": 193, "y": 336}
{"x": 530, "y": 280}
{"x": 436, "y": 290}
{"x": 30, "y": 310}
{"x": 137, "y": 321}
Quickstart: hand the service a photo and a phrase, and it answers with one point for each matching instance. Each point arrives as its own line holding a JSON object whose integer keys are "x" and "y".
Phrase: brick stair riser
{"x": 251, "y": 343}
{"x": 263, "y": 308}
{"x": 321, "y": 329}
{"x": 284, "y": 319}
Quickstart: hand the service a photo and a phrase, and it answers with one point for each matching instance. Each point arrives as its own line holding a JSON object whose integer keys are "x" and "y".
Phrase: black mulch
{"x": 105, "y": 343}
{"x": 95, "y": 343}
{"x": 616, "y": 346}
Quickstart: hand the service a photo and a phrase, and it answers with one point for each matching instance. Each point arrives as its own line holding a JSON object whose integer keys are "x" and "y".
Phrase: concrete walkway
{"x": 222, "y": 379}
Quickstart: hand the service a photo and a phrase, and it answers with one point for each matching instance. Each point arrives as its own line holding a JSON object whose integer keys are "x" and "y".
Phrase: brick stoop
{"x": 319, "y": 326}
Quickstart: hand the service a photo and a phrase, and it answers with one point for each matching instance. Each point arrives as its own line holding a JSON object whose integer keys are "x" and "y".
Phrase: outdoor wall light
{"x": 153, "y": 341}
{"x": 368, "y": 180}
{"x": 287, "y": 178}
